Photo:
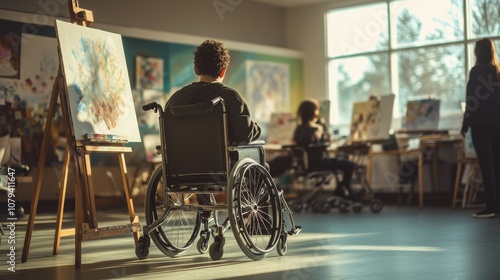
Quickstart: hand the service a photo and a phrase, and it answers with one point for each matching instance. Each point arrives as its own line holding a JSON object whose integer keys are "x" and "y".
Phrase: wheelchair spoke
{"x": 256, "y": 210}
{"x": 180, "y": 228}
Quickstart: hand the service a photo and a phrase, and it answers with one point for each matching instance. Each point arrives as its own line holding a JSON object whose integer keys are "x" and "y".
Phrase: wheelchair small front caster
{"x": 202, "y": 245}
{"x": 216, "y": 251}
{"x": 376, "y": 205}
{"x": 343, "y": 206}
{"x": 142, "y": 248}
{"x": 357, "y": 207}
{"x": 282, "y": 246}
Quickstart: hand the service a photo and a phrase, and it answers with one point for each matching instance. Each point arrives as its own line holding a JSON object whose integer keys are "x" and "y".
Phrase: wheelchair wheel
{"x": 376, "y": 205}
{"x": 202, "y": 245}
{"x": 357, "y": 207}
{"x": 142, "y": 248}
{"x": 344, "y": 206}
{"x": 182, "y": 225}
{"x": 282, "y": 247}
{"x": 254, "y": 209}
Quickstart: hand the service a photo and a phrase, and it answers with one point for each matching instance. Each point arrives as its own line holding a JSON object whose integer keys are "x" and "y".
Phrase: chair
{"x": 317, "y": 177}
{"x": 468, "y": 178}
{"x": 200, "y": 165}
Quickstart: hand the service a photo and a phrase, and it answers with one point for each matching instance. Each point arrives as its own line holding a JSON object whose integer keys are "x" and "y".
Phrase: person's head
{"x": 308, "y": 111}
{"x": 486, "y": 54}
{"x": 211, "y": 58}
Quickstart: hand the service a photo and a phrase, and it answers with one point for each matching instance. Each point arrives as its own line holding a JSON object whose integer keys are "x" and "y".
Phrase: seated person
{"x": 308, "y": 133}
{"x": 211, "y": 60}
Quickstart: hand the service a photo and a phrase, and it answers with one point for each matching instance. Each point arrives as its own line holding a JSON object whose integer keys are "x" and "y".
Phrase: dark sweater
{"x": 241, "y": 127}
{"x": 482, "y": 97}
{"x": 306, "y": 136}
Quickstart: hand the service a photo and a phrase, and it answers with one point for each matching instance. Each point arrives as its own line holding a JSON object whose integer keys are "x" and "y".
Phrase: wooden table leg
{"x": 420, "y": 181}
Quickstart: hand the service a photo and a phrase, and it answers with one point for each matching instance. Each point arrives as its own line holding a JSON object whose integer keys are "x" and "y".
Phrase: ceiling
{"x": 294, "y": 3}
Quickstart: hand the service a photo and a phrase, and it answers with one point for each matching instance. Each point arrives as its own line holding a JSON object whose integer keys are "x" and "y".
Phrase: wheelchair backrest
{"x": 196, "y": 141}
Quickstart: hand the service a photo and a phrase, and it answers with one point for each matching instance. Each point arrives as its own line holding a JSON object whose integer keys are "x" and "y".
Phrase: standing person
{"x": 482, "y": 115}
{"x": 211, "y": 60}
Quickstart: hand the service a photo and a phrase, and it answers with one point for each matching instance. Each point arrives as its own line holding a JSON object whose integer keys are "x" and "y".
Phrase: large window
{"x": 412, "y": 48}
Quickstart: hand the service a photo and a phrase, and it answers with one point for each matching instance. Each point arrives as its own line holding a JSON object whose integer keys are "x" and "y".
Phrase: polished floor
{"x": 398, "y": 243}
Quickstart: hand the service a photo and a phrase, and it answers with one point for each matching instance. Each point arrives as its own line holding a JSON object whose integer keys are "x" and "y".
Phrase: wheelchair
{"x": 315, "y": 178}
{"x": 183, "y": 197}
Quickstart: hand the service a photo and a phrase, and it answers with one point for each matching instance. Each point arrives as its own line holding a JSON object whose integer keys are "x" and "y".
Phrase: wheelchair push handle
{"x": 217, "y": 100}
{"x": 152, "y": 106}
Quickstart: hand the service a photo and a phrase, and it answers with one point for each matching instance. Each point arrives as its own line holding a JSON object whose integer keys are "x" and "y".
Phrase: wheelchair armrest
{"x": 319, "y": 145}
{"x": 255, "y": 143}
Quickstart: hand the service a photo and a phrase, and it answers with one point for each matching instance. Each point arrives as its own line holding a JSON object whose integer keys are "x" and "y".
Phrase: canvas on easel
{"x": 371, "y": 120}
{"x": 422, "y": 114}
{"x": 281, "y": 128}
{"x": 99, "y": 92}
{"x": 96, "y": 99}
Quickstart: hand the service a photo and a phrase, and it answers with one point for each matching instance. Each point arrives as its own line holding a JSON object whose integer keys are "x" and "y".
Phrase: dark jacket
{"x": 307, "y": 136}
{"x": 482, "y": 97}
{"x": 241, "y": 127}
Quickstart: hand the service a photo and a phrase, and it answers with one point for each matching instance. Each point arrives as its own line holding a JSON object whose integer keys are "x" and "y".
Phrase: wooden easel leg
{"x": 88, "y": 194}
{"x": 62, "y": 198}
{"x": 79, "y": 211}
{"x": 130, "y": 204}
{"x": 41, "y": 168}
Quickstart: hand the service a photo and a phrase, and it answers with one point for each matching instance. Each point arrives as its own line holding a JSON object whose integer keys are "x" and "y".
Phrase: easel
{"x": 79, "y": 151}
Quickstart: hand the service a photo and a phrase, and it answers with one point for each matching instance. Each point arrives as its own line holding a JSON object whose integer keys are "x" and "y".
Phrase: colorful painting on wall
{"x": 280, "y": 129}
{"x": 98, "y": 84}
{"x": 371, "y": 120}
{"x": 422, "y": 114}
{"x": 148, "y": 73}
{"x": 10, "y": 48}
{"x": 39, "y": 64}
{"x": 268, "y": 88}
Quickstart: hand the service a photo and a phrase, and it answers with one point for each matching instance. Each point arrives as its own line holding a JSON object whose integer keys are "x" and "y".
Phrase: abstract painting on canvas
{"x": 422, "y": 114}
{"x": 371, "y": 120}
{"x": 100, "y": 97}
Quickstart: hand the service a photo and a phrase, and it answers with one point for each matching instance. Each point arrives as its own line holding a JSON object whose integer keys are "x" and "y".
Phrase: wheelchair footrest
{"x": 296, "y": 230}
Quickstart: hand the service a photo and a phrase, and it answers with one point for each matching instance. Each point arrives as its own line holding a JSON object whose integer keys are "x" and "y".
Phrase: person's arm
{"x": 241, "y": 126}
{"x": 469, "y": 93}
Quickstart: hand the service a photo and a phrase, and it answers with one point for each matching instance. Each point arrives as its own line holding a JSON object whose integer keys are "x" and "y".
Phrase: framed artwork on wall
{"x": 148, "y": 73}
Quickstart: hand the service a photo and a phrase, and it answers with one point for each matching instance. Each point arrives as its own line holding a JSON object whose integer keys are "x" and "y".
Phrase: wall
{"x": 243, "y": 21}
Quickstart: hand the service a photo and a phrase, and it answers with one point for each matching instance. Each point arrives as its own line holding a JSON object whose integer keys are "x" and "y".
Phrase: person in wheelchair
{"x": 312, "y": 136}
{"x": 211, "y": 60}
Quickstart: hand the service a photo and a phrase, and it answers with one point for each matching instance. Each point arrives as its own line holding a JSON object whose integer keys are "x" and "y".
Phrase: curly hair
{"x": 210, "y": 58}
